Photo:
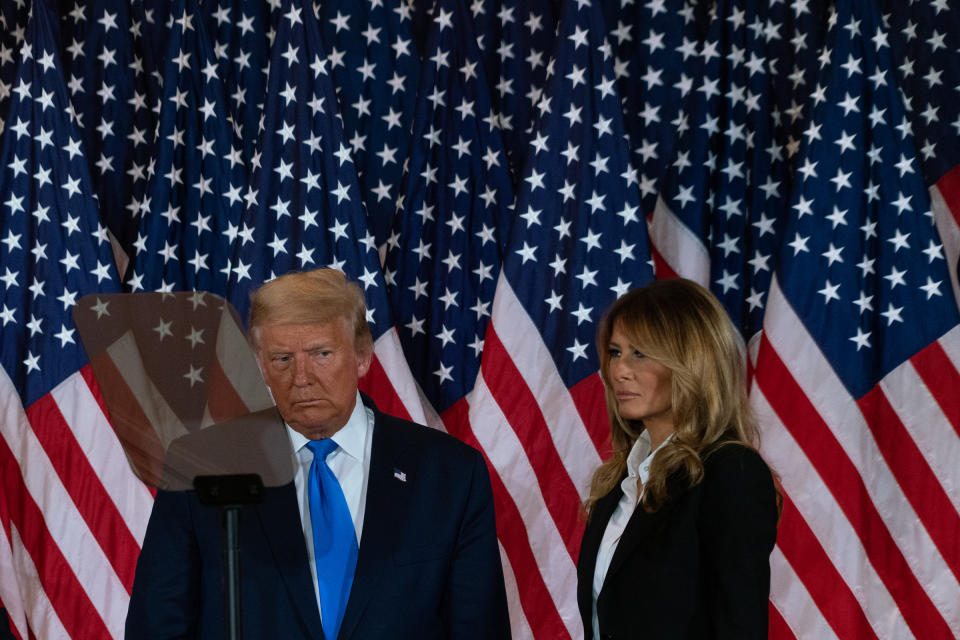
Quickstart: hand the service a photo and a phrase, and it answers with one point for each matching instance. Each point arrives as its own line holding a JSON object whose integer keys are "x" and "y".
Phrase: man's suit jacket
{"x": 428, "y": 567}
{"x": 696, "y": 568}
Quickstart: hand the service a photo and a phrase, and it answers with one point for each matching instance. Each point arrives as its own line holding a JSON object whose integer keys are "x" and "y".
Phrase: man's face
{"x": 312, "y": 370}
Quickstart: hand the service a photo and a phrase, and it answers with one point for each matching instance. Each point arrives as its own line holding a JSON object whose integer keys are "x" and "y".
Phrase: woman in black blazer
{"x": 683, "y": 516}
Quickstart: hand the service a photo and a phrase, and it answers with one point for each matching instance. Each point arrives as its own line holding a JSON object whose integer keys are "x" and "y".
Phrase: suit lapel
{"x": 280, "y": 521}
{"x": 639, "y": 528}
{"x": 592, "y": 536}
{"x": 386, "y": 502}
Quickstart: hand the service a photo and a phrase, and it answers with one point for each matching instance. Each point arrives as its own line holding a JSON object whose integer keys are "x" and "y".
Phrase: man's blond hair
{"x": 311, "y": 297}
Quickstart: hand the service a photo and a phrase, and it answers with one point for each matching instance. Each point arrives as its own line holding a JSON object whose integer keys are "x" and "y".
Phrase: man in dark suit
{"x": 388, "y": 533}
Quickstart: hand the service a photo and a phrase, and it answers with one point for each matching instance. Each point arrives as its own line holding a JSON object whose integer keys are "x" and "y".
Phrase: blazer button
{"x": 606, "y": 636}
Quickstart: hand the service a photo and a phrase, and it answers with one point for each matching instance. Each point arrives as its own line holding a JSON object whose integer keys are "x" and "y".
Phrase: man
{"x": 390, "y": 534}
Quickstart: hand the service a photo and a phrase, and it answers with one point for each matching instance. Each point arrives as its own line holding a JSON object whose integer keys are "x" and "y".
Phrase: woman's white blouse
{"x": 638, "y": 469}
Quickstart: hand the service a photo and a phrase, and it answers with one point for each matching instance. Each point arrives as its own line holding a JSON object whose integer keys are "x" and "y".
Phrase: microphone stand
{"x": 231, "y": 493}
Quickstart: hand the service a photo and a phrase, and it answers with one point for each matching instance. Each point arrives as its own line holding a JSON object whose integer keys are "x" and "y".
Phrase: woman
{"x": 683, "y": 516}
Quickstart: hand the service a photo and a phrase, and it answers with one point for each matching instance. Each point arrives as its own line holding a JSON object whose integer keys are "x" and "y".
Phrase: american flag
{"x": 198, "y": 173}
{"x": 241, "y": 37}
{"x": 13, "y": 20}
{"x": 577, "y": 240}
{"x": 443, "y": 254}
{"x": 653, "y": 44}
{"x": 718, "y": 215}
{"x": 516, "y": 40}
{"x": 922, "y": 39}
{"x": 148, "y": 61}
{"x": 108, "y": 90}
{"x": 856, "y": 375}
{"x": 375, "y": 68}
{"x": 922, "y": 36}
{"x": 72, "y": 514}
{"x": 156, "y": 17}
{"x": 303, "y": 204}
{"x": 867, "y": 542}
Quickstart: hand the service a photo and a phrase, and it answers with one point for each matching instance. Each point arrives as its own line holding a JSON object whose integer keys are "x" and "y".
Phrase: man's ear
{"x": 364, "y": 358}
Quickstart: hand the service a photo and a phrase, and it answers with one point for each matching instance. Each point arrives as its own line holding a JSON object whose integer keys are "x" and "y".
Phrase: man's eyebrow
{"x": 278, "y": 349}
{"x": 320, "y": 344}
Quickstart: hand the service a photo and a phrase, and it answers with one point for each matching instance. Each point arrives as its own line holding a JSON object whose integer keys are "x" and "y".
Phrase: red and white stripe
{"x": 390, "y": 383}
{"x": 36, "y": 606}
{"x": 871, "y": 514}
{"x": 542, "y": 443}
{"x": 520, "y": 627}
{"x": 526, "y": 590}
{"x": 536, "y": 578}
{"x": 787, "y": 592}
{"x": 534, "y": 435}
{"x": 10, "y": 565}
{"x": 676, "y": 250}
{"x": 74, "y": 513}
{"x": 945, "y": 203}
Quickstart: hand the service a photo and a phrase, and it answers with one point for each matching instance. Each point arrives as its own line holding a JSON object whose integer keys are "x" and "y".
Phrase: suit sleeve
{"x": 476, "y": 602}
{"x": 166, "y": 586}
{"x": 739, "y": 528}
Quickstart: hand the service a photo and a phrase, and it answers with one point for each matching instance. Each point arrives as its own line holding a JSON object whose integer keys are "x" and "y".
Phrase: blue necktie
{"x": 334, "y": 538}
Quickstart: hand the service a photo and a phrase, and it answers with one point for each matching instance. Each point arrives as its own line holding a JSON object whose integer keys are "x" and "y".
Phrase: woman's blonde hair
{"x": 682, "y": 326}
{"x": 311, "y": 297}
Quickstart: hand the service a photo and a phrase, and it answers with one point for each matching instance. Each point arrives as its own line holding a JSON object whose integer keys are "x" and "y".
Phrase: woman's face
{"x": 641, "y": 385}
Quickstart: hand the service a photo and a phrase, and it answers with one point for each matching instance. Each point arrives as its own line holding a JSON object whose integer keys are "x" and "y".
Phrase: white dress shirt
{"x": 350, "y": 463}
{"x": 638, "y": 468}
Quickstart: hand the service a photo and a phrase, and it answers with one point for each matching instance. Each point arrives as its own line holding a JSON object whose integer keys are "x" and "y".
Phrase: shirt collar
{"x": 638, "y": 465}
{"x": 638, "y": 453}
{"x": 352, "y": 437}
